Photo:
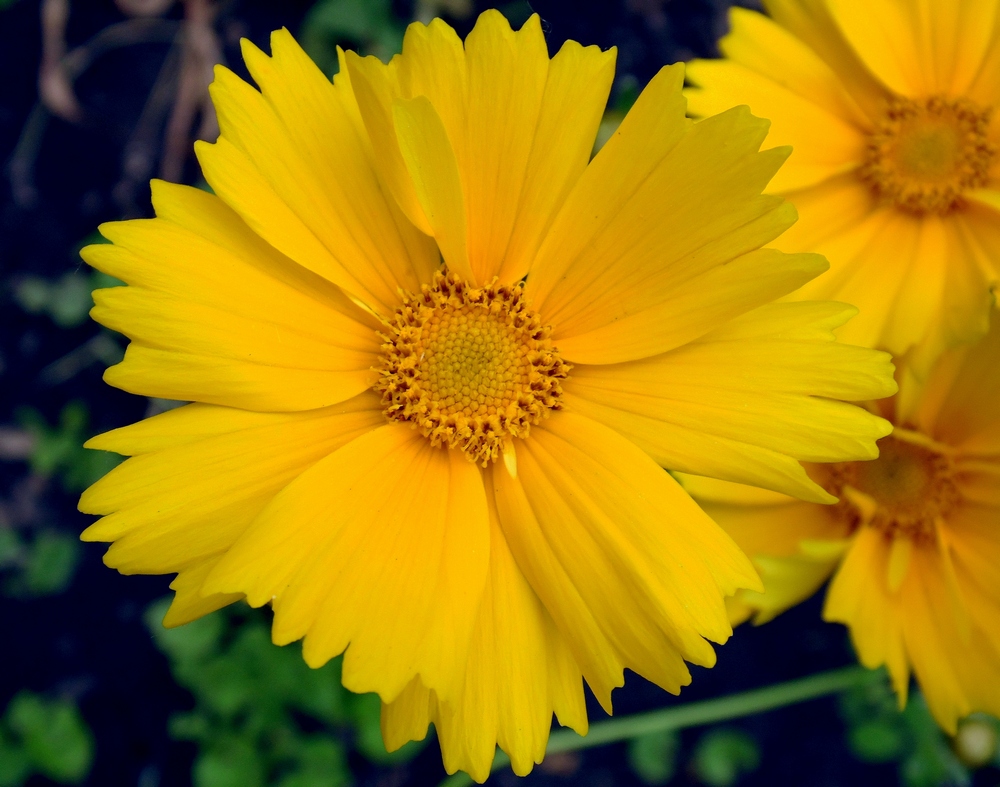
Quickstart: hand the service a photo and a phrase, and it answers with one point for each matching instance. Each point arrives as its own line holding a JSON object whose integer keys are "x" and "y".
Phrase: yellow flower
{"x": 453, "y": 471}
{"x": 891, "y": 107}
{"x": 913, "y": 545}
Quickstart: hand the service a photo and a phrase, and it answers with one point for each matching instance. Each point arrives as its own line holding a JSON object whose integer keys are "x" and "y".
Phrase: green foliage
{"x": 261, "y": 716}
{"x": 878, "y": 732}
{"x": 59, "y": 450}
{"x": 653, "y": 757}
{"x": 43, "y": 736}
{"x": 722, "y": 755}
{"x": 368, "y": 26}
{"x": 66, "y": 300}
{"x": 40, "y": 566}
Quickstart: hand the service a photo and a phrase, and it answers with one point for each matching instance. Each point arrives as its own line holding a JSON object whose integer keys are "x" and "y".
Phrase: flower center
{"x": 924, "y": 155}
{"x": 471, "y": 368}
{"x": 904, "y": 492}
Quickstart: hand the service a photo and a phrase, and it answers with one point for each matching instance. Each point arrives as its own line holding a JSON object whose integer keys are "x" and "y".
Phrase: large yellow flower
{"x": 913, "y": 545}
{"x": 892, "y": 109}
{"x": 452, "y": 470}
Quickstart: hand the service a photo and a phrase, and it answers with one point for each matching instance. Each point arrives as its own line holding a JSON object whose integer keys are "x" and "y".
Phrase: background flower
{"x": 891, "y": 110}
{"x": 912, "y": 545}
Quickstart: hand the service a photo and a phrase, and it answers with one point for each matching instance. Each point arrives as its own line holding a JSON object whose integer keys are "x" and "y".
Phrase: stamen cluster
{"x": 471, "y": 368}
{"x": 923, "y": 156}
{"x": 912, "y": 489}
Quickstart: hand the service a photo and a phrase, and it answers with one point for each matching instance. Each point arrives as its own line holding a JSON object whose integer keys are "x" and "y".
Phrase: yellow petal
{"x": 859, "y": 597}
{"x": 985, "y": 85}
{"x": 899, "y": 562}
{"x": 326, "y": 211}
{"x": 794, "y": 545}
{"x": 742, "y": 407}
{"x": 519, "y": 670}
{"x": 823, "y": 144}
{"x": 690, "y": 310}
{"x": 507, "y": 77}
{"x": 920, "y": 48}
{"x": 171, "y": 507}
{"x": 890, "y": 38}
{"x": 198, "y": 273}
{"x": 576, "y": 92}
{"x": 433, "y": 169}
{"x": 373, "y": 90}
{"x": 318, "y": 120}
{"x": 510, "y": 690}
{"x": 810, "y": 21}
{"x": 383, "y": 546}
{"x": 188, "y": 604}
{"x": 603, "y": 260}
{"x": 775, "y": 52}
{"x": 210, "y": 378}
{"x": 589, "y": 513}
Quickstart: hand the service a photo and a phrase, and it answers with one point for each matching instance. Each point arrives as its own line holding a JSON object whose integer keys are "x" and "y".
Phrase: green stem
{"x": 694, "y": 714}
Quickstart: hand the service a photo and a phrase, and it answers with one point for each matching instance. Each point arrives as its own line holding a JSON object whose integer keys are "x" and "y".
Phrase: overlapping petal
{"x": 217, "y": 315}
{"x": 518, "y": 128}
{"x": 384, "y": 541}
{"x": 771, "y": 403}
{"x": 594, "y": 536}
{"x": 293, "y": 163}
{"x": 519, "y": 672}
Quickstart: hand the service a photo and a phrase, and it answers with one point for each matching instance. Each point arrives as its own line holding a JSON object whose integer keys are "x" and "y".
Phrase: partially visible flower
{"x": 913, "y": 545}
{"x": 451, "y": 471}
{"x": 893, "y": 110}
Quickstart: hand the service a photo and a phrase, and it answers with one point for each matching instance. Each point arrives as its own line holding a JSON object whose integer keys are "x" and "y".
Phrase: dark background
{"x": 88, "y": 643}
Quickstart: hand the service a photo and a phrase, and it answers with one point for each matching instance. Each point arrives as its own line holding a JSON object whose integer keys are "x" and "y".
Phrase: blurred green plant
{"x": 878, "y": 732}
{"x": 58, "y": 449}
{"x": 43, "y": 736}
{"x": 368, "y": 26}
{"x": 653, "y": 756}
{"x": 724, "y": 754}
{"x": 42, "y": 565}
{"x": 67, "y": 300}
{"x": 261, "y": 716}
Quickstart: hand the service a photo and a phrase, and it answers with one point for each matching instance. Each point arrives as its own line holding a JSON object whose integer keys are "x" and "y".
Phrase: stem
{"x": 694, "y": 714}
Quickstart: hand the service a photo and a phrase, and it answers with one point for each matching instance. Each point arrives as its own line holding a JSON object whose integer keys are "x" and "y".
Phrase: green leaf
{"x": 878, "y": 740}
{"x": 232, "y": 762}
{"x": 370, "y": 26}
{"x": 321, "y": 762}
{"x": 722, "y": 755}
{"x": 50, "y": 563}
{"x": 185, "y": 645}
{"x": 66, "y": 300}
{"x": 56, "y": 740}
{"x": 11, "y": 548}
{"x": 932, "y": 762}
{"x": 14, "y": 765}
{"x": 653, "y": 757}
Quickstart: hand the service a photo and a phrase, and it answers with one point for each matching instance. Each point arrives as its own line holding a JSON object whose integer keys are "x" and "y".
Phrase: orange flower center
{"x": 924, "y": 155}
{"x": 904, "y": 492}
{"x": 471, "y": 368}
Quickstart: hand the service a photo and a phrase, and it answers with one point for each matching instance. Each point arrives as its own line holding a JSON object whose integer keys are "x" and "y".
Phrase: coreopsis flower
{"x": 913, "y": 546}
{"x": 437, "y": 359}
{"x": 891, "y": 108}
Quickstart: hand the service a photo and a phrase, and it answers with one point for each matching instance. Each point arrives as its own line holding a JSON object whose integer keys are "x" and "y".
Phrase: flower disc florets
{"x": 471, "y": 368}
{"x": 924, "y": 155}
{"x": 906, "y": 491}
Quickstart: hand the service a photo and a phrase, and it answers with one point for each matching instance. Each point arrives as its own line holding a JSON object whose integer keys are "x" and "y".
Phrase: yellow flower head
{"x": 452, "y": 469}
{"x": 893, "y": 110}
{"x": 913, "y": 545}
